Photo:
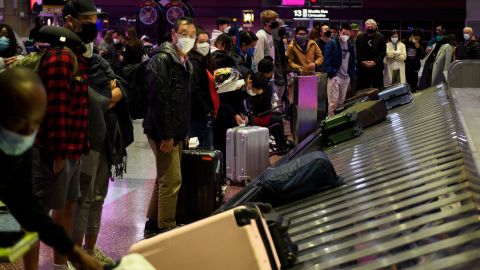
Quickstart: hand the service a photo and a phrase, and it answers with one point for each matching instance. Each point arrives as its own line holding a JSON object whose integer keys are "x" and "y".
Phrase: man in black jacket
{"x": 23, "y": 102}
{"x": 469, "y": 49}
{"x": 166, "y": 123}
{"x": 371, "y": 50}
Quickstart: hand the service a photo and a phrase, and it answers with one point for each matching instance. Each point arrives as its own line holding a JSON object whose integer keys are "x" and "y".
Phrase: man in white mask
{"x": 339, "y": 62}
{"x": 166, "y": 122}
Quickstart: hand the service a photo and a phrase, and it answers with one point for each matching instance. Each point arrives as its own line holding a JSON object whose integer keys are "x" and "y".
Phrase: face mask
{"x": 301, "y": 40}
{"x": 344, "y": 37}
{"x": 281, "y": 32}
{"x": 250, "y": 51}
{"x": 439, "y": 37}
{"x": 274, "y": 25}
{"x": 226, "y": 30}
{"x": 371, "y": 31}
{"x": 4, "y": 43}
{"x": 466, "y": 37}
{"x": 328, "y": 33}
{"x": 394, "y": 40}
{"x": 203, "y": 48}
{"x": 185, "y": 44}
{"x": 251, "y": 93}
{"x": 14, "y": 144}
{"x": 89, "y": 52}
{"x": 88, "y": 33}
{"x": 116, "y": 41}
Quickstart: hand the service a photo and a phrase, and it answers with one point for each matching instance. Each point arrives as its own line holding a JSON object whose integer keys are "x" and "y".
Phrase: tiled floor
{"x": 125, "y": 207}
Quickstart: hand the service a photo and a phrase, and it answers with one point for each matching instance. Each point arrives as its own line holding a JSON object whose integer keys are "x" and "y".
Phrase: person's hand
{"x": 365, "y": 63}
{"x": 10, "y": 60}
{"x": 113, "y": 84}
{"x": 240, "y": 121}
{"x": 166, "y": 146}
{"x": 311, "y": 66}
{"x": 82, "y": 261}
{"x": 244, "y": 118}
{"x": 58, "y": 166}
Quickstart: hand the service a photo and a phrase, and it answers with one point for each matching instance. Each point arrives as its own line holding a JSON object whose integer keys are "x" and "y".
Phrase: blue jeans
{"x": 202, "y": 128}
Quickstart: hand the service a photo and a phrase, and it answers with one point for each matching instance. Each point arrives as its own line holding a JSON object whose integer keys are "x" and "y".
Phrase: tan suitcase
{"x": 237, "y": 239}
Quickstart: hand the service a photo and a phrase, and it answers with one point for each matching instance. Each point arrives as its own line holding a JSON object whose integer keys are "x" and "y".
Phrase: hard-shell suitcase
{"x": 202, "y": 180}
{"x": 396, "y": 95}
{"x": 369, "y": 112}
{"x": 247, "y": 153}
{"x": 341, "y": 127}
{"x": 237, "y": 239}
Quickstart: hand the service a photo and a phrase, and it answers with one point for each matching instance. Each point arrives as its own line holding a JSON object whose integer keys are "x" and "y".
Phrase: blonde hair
{"x": 371, "y": 21}
{"x": 470, "y": 29}
{"x": 268, "y": 15}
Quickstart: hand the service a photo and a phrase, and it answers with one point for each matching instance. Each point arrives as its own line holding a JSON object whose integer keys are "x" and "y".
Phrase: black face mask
{"x": 274, "y": 25}
{"x": 281, "y": 32}
{"x": 88, "y": 33}
{"x": 328, "y": 33}
{"x": 371, "y": 31}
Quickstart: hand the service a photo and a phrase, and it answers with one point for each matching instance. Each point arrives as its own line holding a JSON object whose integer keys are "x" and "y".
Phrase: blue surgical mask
{"x": 14, "y": 144}
{"x": 4, "y": 43}
{"x": 250, "y": 51}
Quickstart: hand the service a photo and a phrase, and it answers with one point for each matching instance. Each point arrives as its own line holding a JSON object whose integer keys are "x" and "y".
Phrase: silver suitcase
{"x": 247, "y": 153}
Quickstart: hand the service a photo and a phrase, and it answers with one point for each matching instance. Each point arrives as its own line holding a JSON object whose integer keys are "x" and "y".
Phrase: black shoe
{"x": 151, "y": 233}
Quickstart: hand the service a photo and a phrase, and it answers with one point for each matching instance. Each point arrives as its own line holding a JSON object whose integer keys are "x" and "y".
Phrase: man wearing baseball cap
{"x": 62, "y": 138}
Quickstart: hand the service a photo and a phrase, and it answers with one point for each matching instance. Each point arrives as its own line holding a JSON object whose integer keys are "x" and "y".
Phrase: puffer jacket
{"x": 167, "y": 82}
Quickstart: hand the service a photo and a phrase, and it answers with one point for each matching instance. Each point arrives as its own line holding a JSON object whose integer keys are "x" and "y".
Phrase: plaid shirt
{"x": 64, "y": 129}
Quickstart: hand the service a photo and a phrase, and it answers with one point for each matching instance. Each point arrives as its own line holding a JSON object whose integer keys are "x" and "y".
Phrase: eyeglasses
{"x": 185, "y": 35}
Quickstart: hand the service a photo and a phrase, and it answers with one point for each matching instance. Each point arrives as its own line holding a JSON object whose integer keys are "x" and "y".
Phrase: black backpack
{"x": 137, "y": 95}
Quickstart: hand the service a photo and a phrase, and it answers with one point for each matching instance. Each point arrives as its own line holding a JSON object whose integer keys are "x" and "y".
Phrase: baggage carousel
{"x": 410, "y": 199}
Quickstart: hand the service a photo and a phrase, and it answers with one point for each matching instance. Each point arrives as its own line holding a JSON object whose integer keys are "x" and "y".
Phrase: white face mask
{"x": 466, "y": 37}
{"x": 226, "y": 30}
{"x": 185, "y": 44}
{"x": 89, "y": 52}
{"x": 14, "y": 144}
{"x": 203, "y": 48}
{"x": 251, "y": 93}
{"x": 394, "y": 40}
{"x": 344, "y": 37}
{"x": 116, "y": 41}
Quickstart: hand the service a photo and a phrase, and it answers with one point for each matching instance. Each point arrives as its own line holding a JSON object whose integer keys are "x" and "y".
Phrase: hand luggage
{"x": 237, "y": 239}
{"x": 369, "y": 112}
{"x": 361, "y": 96}
{"x": 247, "y": 153}
{"x": 341, "y": 127}
{"x": 202, "y": 180}
{"x": 278, "y": 226}
{"x": 396, "y": 95}
{"x": 298, "y": 178}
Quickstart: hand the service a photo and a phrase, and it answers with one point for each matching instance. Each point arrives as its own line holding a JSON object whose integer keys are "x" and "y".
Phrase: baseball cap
{"x": 354, "y": 26}
{"x": 81, "y": 7}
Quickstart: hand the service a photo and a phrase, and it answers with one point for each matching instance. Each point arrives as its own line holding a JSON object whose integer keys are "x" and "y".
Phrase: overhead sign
{"x": 315, "y": 14}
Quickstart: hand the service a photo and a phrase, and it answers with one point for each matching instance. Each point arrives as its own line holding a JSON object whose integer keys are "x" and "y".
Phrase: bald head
{"x": 23, "y": 100}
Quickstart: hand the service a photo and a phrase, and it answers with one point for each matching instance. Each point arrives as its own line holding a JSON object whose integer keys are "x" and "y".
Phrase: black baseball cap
{"x": 81, "y": 7}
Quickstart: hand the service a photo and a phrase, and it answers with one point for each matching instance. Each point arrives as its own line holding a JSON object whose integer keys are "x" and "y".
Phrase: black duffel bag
{"x": 299, "y": 178}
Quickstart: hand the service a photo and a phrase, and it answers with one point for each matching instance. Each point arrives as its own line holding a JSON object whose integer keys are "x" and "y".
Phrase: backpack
{"x": 58, "y": 37}
{"x": 33, "y": 60}
{"x": 137, "y": 97}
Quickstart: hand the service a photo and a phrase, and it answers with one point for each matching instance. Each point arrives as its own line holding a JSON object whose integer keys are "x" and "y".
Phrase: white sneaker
{"x": 70, "y": 266}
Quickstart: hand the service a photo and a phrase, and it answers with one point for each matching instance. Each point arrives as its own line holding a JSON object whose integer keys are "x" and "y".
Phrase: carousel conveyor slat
{"x": 406, "y": 201}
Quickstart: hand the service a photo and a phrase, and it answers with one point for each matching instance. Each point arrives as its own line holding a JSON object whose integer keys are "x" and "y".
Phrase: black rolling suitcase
{"x": 202, "y": 181}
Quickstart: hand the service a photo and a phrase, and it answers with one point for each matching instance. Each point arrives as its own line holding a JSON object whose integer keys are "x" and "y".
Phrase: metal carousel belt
{"x": 406, "y": 202}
